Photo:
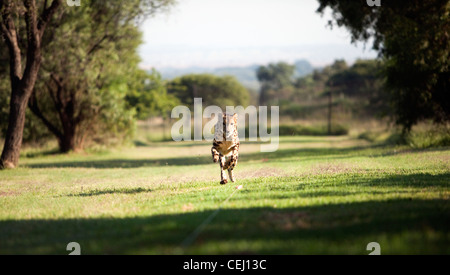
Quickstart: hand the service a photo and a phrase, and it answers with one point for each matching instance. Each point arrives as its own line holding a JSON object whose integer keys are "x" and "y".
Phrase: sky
{"x": 219, "y": 33}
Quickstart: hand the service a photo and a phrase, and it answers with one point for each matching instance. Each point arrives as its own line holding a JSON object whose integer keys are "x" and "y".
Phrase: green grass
{"x": 315, "y": 195}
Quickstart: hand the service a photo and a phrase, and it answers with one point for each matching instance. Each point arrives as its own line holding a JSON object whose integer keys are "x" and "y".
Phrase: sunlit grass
{"x": 315, "y": 195}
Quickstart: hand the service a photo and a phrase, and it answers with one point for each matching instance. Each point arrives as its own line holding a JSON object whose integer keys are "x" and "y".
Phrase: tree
{"x": 362, "y": 84}
{"x": 273, "y": 79}
{"x": 221, "y": 91}
{"x": 151, "y": 98}
{"x": 413, "y": 39}
{"x": 91, "y": 65}
{"x": 16, "y": 15}
{"x": 362, "y": 80}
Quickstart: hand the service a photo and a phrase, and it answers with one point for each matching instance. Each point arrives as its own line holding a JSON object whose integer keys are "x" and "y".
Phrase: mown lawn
{"x": 315, "y": 195}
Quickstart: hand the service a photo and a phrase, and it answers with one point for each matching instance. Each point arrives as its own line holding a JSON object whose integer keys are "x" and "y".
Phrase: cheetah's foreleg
{"x": 215, "y": 154}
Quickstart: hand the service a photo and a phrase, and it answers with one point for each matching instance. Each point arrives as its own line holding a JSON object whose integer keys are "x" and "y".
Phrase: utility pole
{"x": 330, "y": 109}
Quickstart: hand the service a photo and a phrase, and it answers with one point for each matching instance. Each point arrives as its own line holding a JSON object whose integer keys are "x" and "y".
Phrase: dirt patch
{"x": 188, "y": 207}
{"x": 334, "y": 168}
{"x": 8, "y": 193}
{"x": 286, "y": 221}
{"x": 442, "y": 159}
{"x": 263, "y": 172}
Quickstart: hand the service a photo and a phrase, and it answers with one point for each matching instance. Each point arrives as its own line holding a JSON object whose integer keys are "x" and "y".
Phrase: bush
{"x": 437, "y": 137}
{"x": 420, "y": 138}
{"x": 320, "y": 130}
{"x": 396, "y": 139}
{"x": 300, "y": 130}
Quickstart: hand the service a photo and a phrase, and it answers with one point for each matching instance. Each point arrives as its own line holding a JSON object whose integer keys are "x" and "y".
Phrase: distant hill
{"x": 303, "y": 67}
{"x": 245, "y": 75}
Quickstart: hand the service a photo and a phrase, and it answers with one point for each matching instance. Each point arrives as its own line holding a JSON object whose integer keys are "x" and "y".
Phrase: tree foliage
{"x": 221, "y": 91}
{"x": 150, "y": 96}
{"x": 356, "y": 92}
{"x": 362, "y": 82}
{"x": 274, "y": 78}
{"x": 413, "y": 38}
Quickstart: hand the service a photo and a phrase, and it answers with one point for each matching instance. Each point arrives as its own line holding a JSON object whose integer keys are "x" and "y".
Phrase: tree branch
{"x": 6, "y": 23}
{"x": 97, "y": 45}
{"x": 59, "y": 97}
{"x": 4, "y": 30}
{"x": 52, "y": 95}
{"x": 33, "y": 105}
{"x": 31, "y": 22}
{"x": 8, "y": 29}
{"x": 47, "y": 14}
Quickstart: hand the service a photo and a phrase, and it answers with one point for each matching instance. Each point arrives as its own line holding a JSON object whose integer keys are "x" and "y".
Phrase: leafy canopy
{"x": 413, "y": 38}
{"x": 221, "y": 91}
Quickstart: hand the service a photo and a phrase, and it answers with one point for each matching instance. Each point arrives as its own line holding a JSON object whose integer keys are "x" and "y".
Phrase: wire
{"x": 193, "y": 236}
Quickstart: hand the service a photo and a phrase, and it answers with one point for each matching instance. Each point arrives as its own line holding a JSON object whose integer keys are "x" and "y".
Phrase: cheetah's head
{"x": 230, "y": 125}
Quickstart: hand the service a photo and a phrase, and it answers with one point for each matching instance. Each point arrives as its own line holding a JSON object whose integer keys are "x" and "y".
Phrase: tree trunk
{"x": 67, "y": 143}
{"x": 21, "y": 90}
{"x": 18, "y": 105}
{"x": 14, "y": 134}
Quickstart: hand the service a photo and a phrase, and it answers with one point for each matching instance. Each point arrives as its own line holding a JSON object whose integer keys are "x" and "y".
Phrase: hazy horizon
{"x": 211, "y": 33}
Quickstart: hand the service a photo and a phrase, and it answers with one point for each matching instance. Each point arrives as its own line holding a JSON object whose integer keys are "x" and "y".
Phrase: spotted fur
{"x": 225, "y": 148}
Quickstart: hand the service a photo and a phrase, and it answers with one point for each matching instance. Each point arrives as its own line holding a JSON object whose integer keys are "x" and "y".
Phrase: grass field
{"x": 315, "y": 195}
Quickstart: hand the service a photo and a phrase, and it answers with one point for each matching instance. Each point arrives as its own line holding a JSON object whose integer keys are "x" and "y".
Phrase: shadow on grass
{"x": 371, "y": 184}
{"x": 418, "y": 226}
{"x": 111, "y": 191}
{"x": 285, "y": 139}
{"x": 37, "y": 154}
{"x": 125, "y": 163}
{"x": 200, "y": 160}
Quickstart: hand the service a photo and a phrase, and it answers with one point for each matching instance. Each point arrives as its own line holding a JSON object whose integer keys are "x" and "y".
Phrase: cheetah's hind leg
{"x": 223, "y": 175}
{"x": 231, "y": 175}
{"x": 231, "y": 164}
